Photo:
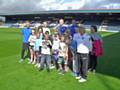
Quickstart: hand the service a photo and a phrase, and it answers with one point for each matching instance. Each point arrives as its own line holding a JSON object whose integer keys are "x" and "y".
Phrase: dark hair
{"x": 47, "y": 32}
{"x": 94, "y": 27}
{"x": 40, "y": 27}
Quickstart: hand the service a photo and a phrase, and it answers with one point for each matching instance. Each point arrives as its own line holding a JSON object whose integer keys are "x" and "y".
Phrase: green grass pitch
{"x": 21, "y": 76}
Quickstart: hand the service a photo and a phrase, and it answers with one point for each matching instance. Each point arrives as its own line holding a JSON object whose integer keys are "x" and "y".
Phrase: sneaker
{"x": 94, "y": 71}
{"x": 21, "y": 60}
{"x": 89, "y": 70}
{"x": 61, "y": 72}
{"x": 28, "y": 59}
{"x": 52, "y": 67}
{"x": 82, "y": 80}
{"x": 38, "y": 65}
{"x": 78, "y": 77}
{"x": 29, "y": 62}
{"x": 33, "y": 62}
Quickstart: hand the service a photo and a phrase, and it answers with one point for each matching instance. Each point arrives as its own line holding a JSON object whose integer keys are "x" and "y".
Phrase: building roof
{"x": 63, "y": 11}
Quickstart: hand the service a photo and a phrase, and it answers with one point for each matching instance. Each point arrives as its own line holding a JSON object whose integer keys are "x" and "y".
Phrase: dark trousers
{"x": 93, "y": 62}
{"x": 82, "y": 64}
{"x": 25, "y": 47}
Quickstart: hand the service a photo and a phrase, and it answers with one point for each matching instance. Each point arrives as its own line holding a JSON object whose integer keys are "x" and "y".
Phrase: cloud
{"x": 45, "y": 5}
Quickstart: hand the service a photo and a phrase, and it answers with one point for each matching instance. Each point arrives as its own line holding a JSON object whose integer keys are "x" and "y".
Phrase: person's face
{"x": 82, "y": 31}
{"x": 45, "y": 24}
{"x": 62, "y": 38}
{"x": 92, "y": 30}
{"x": 33, "y": 32}
{"x": 61, "y": 21}
{"x": 73, "y": 21}
{"x": 40, "y": 30}
{"x": 27, "y": 24}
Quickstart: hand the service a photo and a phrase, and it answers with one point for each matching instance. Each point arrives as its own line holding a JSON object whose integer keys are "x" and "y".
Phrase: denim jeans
{"x": 83, "y": 64}
{"x": 45, "y": 59}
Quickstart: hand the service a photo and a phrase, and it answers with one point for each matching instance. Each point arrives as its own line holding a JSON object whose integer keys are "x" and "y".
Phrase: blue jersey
{"x": 72, "y": 28}
{"x": 26, "y": 32}
{"x": 62, "y": 29}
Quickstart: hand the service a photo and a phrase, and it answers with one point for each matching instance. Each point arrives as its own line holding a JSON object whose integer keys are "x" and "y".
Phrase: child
{"x": 63, "y": 55}
{"x": 45, "y": 53}
{"x": 46, "y": 28}
{"x": 40, "y": 37}
{"x": 38, "y": 42}
{"x": 31, "y": 40}
{"x": 55, "y": 49}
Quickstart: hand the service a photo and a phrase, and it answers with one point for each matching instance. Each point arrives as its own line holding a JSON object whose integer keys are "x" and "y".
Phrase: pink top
{"x": 97, "y": 47}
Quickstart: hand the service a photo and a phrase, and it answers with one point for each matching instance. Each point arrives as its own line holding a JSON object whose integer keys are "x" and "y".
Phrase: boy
{"x": 45, "y": 53}
{"x": 55, "y": 48}
{"x": 63, "y": 55}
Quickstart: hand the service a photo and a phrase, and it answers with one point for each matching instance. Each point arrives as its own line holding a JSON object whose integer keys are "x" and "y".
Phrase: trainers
{"x": 38, "y": 65}
{"x": 78, "y": 77}
{"x": 21, "y": 60}
{"x": 28, "y": 59}
{"x": 62, "y": 72}
{"x": 52, "y": 67}
{"x": 33, "y": 62}
{"x": 94, "y": 71}
{"x": 89, "y": 70}
{"x": 29, "y": 62}
{"x": 82, "y": 80}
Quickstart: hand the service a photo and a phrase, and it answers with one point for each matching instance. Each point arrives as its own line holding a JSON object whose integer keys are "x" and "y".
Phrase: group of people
{"x": 63, "y": 48}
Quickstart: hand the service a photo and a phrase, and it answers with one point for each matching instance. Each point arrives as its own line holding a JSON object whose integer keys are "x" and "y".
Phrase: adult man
{"x": 73, "y": 28}
{"x": 61, "y": 27}
{"x": 26, "y": 31}
{"x": 83, "y": 48}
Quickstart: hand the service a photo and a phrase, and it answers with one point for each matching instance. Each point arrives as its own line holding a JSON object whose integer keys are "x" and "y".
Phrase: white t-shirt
{"x": 56, "y": 43}
{"x": 45, "y": 48}
{"x": 62, "y": 49}
{"x": 83, "y": 43}
{"x": 32, "y": 39}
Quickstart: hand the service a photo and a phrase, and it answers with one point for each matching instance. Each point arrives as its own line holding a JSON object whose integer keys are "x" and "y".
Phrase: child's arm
{"x": 66, "y": 53}
{"x": 50, "y": 44}
{"x": 29, "y": 39}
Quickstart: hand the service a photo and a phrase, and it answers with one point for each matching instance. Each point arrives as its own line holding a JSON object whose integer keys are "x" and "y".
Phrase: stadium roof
{"x": 63, "y": 11}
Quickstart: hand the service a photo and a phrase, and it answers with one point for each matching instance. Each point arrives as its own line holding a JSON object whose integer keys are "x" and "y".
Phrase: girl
{"x": 31, "y": 40}
{"x": 38, "y": 42}
{"x": 96, "y": 48}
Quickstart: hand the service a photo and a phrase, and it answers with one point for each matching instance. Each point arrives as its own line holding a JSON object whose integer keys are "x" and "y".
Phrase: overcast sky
{"x": 41, "y": 5}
